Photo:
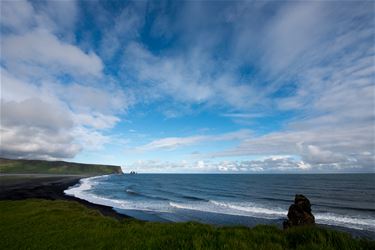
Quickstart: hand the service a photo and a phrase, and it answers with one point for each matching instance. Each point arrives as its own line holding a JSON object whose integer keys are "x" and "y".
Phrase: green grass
{"x": 8, "y": 166}
{"x": 42, "y": 224}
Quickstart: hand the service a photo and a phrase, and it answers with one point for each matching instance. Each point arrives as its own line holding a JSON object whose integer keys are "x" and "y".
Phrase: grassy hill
{"x": 8, "y": 166}
{"x": 42, "y": 224}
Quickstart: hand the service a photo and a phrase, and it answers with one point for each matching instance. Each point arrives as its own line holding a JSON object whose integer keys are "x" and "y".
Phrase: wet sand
{"x": 44, "y": 186}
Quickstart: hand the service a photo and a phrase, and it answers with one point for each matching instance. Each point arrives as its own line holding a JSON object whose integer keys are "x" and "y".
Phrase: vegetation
{"x": 54, "y": 167}
{"x": 42, "y": 224}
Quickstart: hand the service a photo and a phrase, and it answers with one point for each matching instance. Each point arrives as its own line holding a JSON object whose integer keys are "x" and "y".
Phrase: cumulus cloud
{"x": 318, "y": 147}
{"x": 267, "y": 165}
{"x": 52, "y": 106}
{"x": 27, "y": 134}
{"x": 272, "y": 164}
{"x": 45, "y": 112}
{"x": 37, "y": 143}
{"x": 28, "y": 112}
{"x": 316, "y": 155}
{"x": 37, "y": 122}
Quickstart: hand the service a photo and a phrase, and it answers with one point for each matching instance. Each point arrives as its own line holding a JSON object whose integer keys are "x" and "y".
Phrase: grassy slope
{"x": 54, "y": 167}
{"x": 42, "y": 224}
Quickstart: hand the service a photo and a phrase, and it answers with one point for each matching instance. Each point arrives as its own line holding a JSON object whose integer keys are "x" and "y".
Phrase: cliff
{"x": 8, "y": 166}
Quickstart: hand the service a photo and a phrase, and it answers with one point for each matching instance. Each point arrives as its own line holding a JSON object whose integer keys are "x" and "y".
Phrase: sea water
{"x": 340, "y": 200}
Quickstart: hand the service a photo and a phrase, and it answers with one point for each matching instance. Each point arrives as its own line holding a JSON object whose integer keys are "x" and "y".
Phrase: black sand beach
{"x": 50, "y": 187}
{"x": 36, "y": 220}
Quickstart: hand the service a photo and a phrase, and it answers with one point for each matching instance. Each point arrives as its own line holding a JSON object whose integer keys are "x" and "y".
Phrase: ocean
{"x": 343, "y": 201}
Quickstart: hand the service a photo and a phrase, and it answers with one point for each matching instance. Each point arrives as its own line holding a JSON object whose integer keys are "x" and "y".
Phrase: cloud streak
{"x": 170, "y": 143}
{"x": 298, "y": 75}
{"x": 42, "y": 49}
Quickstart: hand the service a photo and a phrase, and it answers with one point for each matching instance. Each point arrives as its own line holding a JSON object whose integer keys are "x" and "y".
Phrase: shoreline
{"x": 49, "y": 187}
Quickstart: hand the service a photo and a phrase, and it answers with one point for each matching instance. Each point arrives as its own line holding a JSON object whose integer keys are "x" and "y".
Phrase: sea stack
{"x": 299, "y": 213}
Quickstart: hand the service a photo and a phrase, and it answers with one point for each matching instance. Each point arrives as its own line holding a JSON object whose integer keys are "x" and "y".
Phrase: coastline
{"x": 51, "y": 187}
{"x": 48, "y": 187}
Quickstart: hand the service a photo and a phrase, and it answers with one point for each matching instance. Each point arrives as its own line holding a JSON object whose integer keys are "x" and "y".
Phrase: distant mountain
{"x": 8, "y": 166}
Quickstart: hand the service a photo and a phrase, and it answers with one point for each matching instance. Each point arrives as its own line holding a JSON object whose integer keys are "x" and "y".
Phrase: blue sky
{"x": 190, "y": 86}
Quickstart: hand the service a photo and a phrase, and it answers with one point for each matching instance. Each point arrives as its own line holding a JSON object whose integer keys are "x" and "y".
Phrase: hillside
{"x": 8, "y": 166}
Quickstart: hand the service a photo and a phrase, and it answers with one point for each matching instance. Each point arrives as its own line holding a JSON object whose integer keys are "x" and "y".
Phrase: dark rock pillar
{"x": 299, "y": 213}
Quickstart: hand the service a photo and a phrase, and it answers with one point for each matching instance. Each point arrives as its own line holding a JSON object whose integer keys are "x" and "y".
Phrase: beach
{"x": 48, "y": 218}
{"x": 46, "y": 186}
{"x": 230, "y": 200}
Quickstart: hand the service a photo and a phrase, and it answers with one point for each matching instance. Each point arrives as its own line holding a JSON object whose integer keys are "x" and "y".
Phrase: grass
{"x": 42, "y": 224}
{"x": 8, "y": 166}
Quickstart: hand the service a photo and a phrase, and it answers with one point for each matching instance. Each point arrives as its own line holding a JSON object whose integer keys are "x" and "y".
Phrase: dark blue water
{"x": 343, "y": 200}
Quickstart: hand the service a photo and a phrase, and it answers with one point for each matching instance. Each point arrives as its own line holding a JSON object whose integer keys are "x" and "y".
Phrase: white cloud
{"x": 37, "y": 121}
{"x": 22, "y": 16}
{"x": 96, "y": 120}
{"x": 28, "y": 112}
{"x": 91, "y": 139}
{"x": 27, "y": 134}
{"x": 243, "y": 115}
{"x": 267, "y": 165}
{"x": 315, "y": 155}
{"x": 333, "y": 88}
{"x": 171, "y": 143}
{"x": 43, "y": 115}
{"x": 96, "y": 98}
{"x": 42, "y": 49}
{"x": 296, "y": 28}
{"x": 16, "y": 15}
{"x": 314, "y": 59}
{"x": 120, "y": 29}
{"x": 53, "y": 16}
{"x": 317, "y": 147}
{"x": 186, "y": 78}
{"x": 171, "y": 76}
{"x": 176, "y": 142}
{"x": 36, "y": 143}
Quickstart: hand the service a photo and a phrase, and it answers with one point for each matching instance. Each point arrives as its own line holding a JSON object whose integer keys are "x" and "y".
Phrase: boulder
{"x": 299, "y": 213}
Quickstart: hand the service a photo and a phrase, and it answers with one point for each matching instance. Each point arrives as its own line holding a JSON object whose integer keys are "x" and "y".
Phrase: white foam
{"x": 346, "y": 221}
{"x": 232, "y": 208}
{"x": 251, "y": 208}
{"x": 255, "y": 210}
{"x": 130, "y": 191}
{"x": 82, "y": 191}
{"x": 84, "y": 185}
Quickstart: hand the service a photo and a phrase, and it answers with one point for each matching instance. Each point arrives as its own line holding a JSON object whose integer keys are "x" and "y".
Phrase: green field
{"x": 54, "y": 167}
{"x": 42, "y": 224}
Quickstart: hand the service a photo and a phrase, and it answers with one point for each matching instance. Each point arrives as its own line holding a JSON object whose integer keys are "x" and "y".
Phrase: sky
{"x": 190, "y": 86}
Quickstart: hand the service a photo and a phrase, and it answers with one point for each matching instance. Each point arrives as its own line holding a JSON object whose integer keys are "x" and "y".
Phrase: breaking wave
{"x": 157, "y": 204}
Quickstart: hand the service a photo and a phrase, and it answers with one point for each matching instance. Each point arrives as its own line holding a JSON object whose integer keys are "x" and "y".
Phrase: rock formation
{"x": 299, "y": 213}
